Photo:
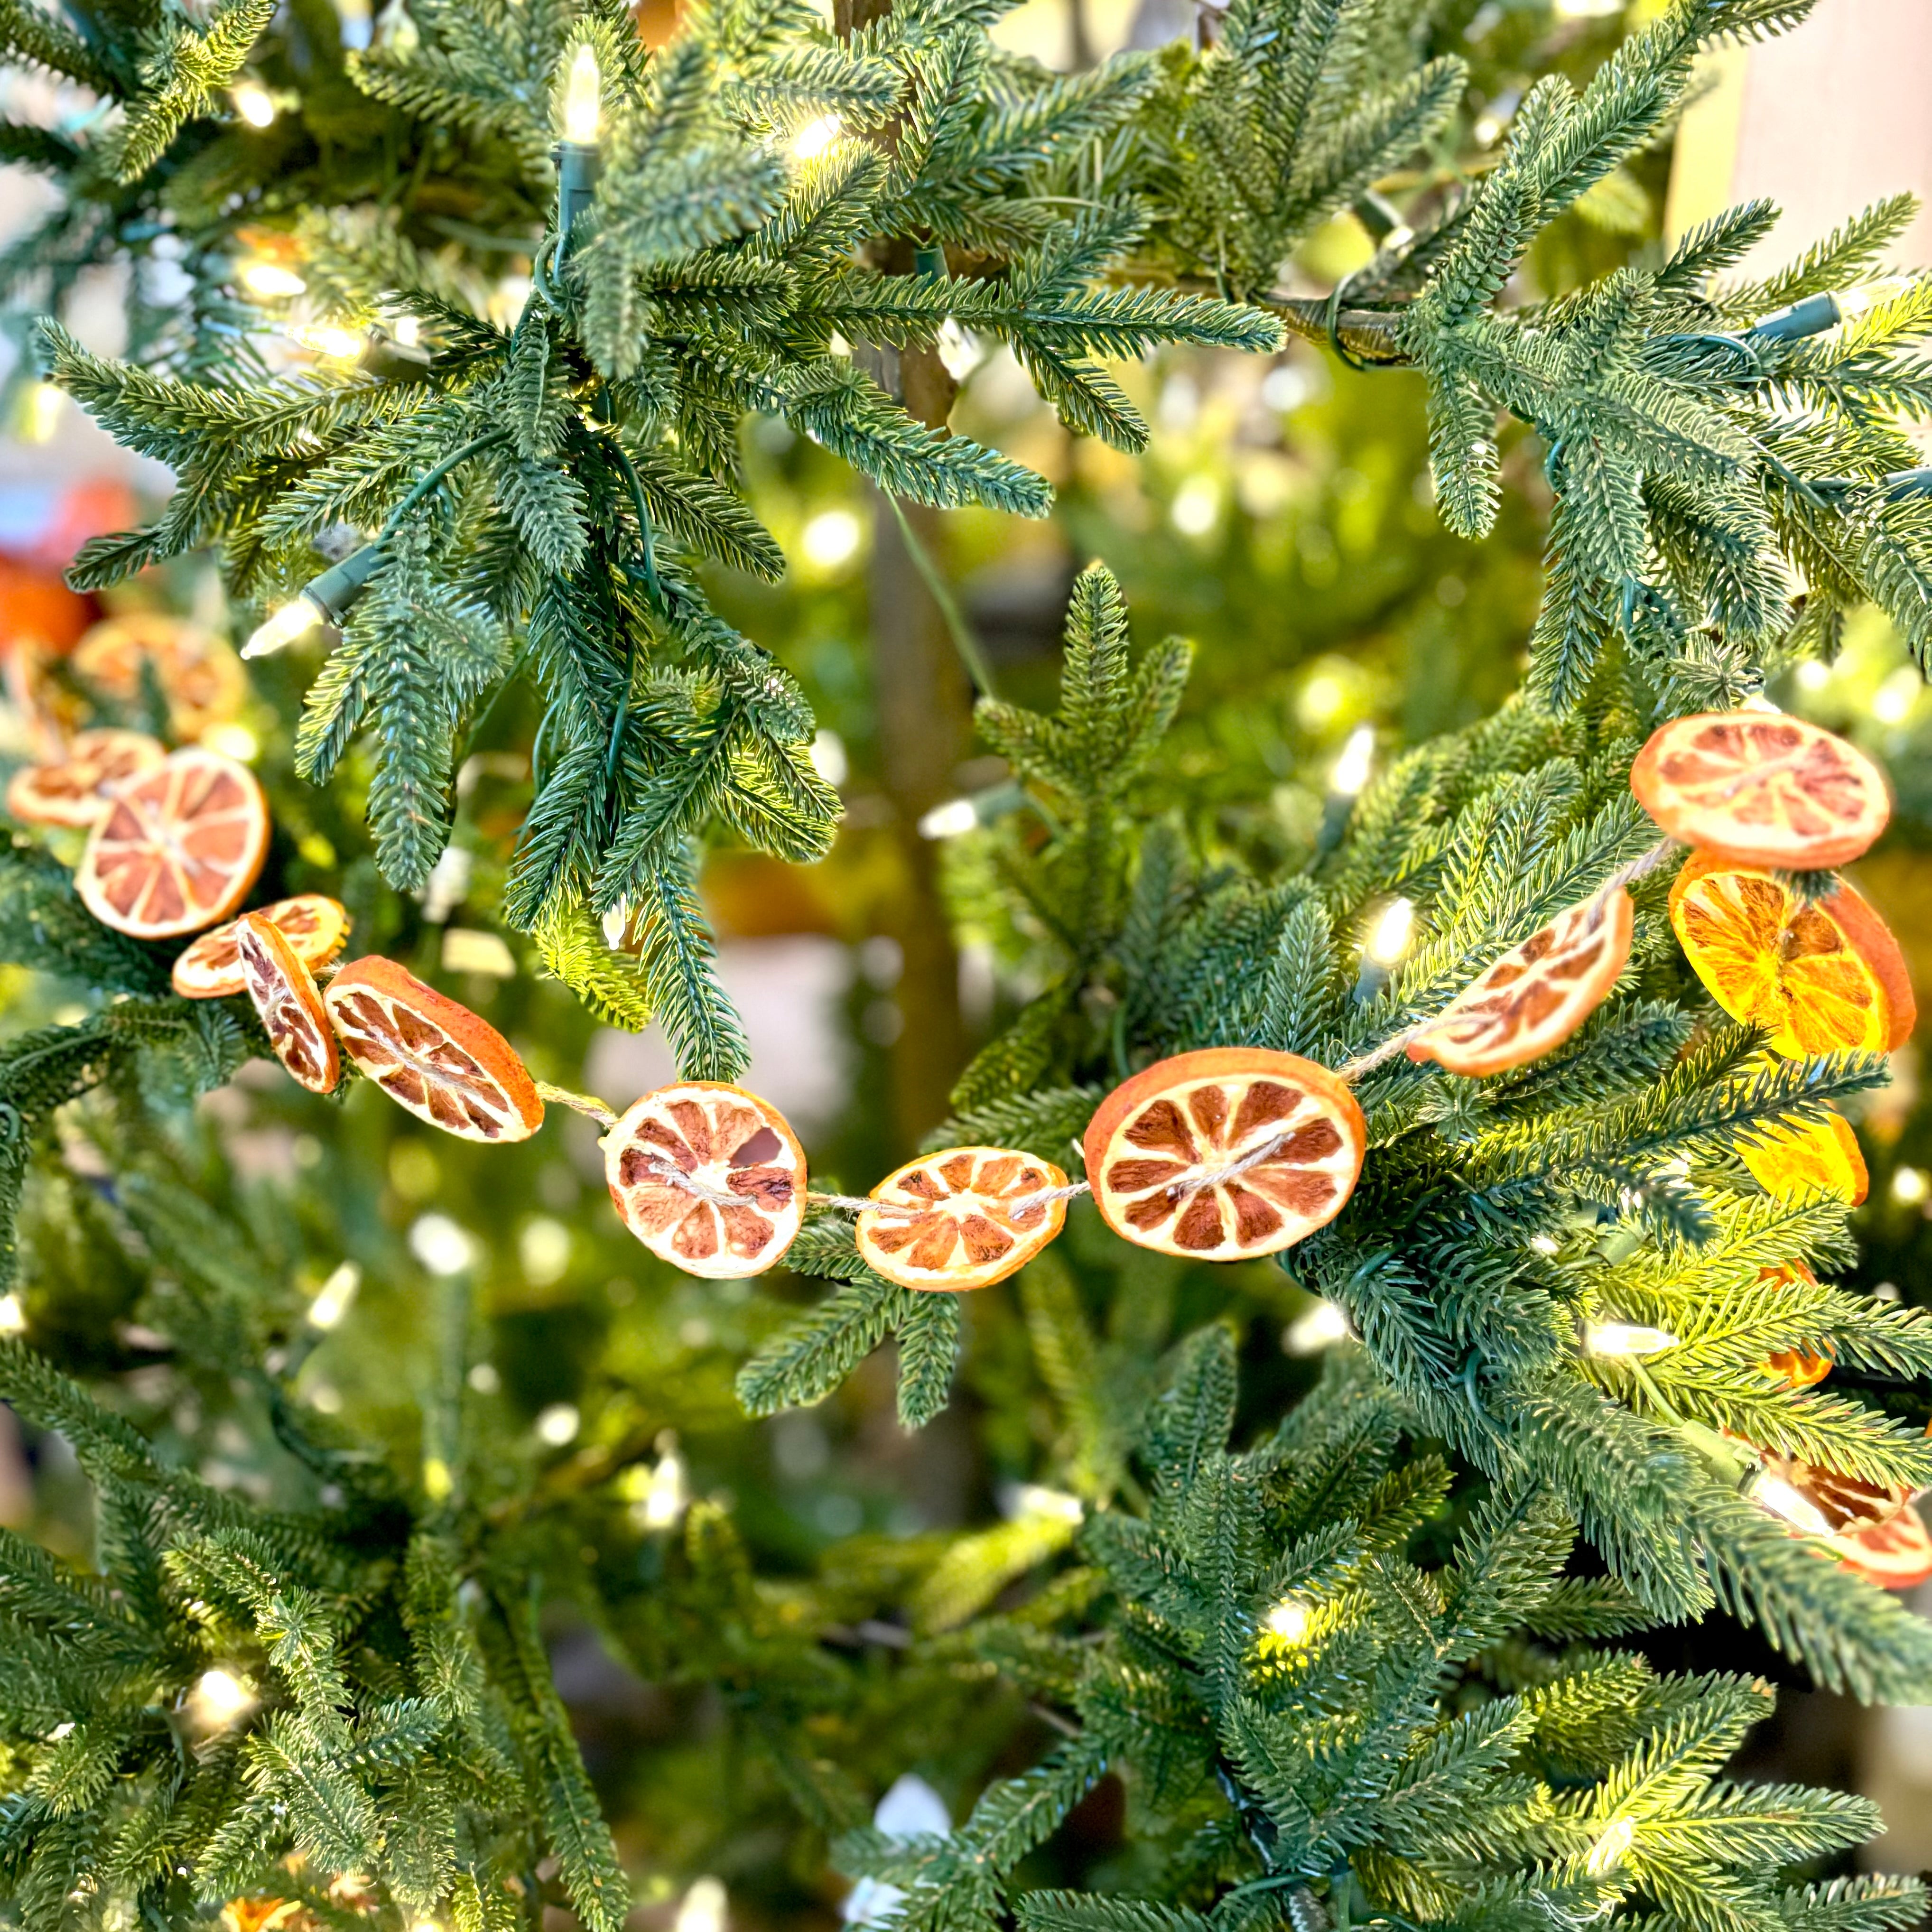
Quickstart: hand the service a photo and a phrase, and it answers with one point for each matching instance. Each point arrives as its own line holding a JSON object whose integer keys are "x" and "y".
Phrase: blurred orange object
{"x": 37, "y": 608}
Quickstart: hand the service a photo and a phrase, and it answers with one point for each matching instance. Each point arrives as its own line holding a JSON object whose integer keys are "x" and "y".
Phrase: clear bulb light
{"x": 271, "y": 281}
{"x": 584, "y": 99}
{"x": 339, "y": 345}
{"x": 332, "y": 1299}
{"x": 282, "y": 627}
{"x": 1626, "y": 1338}
{"x": 952, "y": 820}
{"x": 219, "y": 1699}
{"x": 1389, "y": 940}
{"x": 1289, "y": 1620}
{"x": 815, "y": 136}
{"x": 254, "y": 103}
{"x": 1350, "y": 772}
{"x": 1608, "y": 1853}
{"x": 1774, "y": 1494}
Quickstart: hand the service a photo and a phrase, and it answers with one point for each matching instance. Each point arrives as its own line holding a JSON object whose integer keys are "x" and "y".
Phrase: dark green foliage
{"x": 1310, "y": 1722}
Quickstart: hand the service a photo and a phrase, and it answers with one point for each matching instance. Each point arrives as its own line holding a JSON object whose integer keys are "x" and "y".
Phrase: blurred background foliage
{"x": 1282, "y": 519}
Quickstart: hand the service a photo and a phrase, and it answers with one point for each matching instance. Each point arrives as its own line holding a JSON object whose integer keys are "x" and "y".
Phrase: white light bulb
{"x": 219, "y": 1699}
{"x": 558, "y": 1424}
{"x": 703, "y": 1908}
{"x": 1321, "y": 1326}
{"x": 1350, "y": 772}
{"x": 830, "y": 539}
{"x": 1607, "y": 1853}
{"x": 407, "y": 330}
{"x": 1035, "y": 1499}
{"x": 665, "y": 1496}
{"x": 1774, "y": 1494}
{"x": 583, "y": 99}
{"x": 339, "y": 345}
{"x": 12, "y": 1316}
{"x": 440, "y": 1245}
{"x": 254, "y": 103}
{"x": 332, "y": 1299}
{"x": 952, "y": 820}
{"x": 1910, "y": 1186}
{"x": 1869, "y": 296}
{"x": 271, "y": 280}
{"x": 815, "y": 136}
{"x": 1625, "y": 1338}
{"x": 1389, "y": 940}
{"x": 1289, "y": 1620}
{"x": 282, "y": 627}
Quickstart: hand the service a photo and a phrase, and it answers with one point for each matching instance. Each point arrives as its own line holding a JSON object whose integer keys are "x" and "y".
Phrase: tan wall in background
{"x": 1823, "y": 121}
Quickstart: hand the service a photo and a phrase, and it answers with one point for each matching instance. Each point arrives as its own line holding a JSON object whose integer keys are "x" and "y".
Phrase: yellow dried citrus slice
{"x": 709, "y": 1177}
{"x": 177, "y": 848}
{"x": 962, "y": 1219}
{"x": 1895, "y": 1555}
{"x": 315, "y": 926}
{"x": 1537, "y": 994}
{"x": 1158, "y": 1146}
{"x": 1825, "y": 1502}
{"x": 200, "y": 677}
{"x": 448, "y": 1065}
{"x": 1761, "y": 788}
{"x": 284, "y": 995}
{"x": 1825, "y": 977}
{"x": 75, "y": 788}
{"x": 1825, "y": 1158}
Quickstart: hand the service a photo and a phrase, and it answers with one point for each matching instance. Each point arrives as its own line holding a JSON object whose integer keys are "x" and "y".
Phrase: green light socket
{"x": 334, "y": 593}
{"x": 578, "y": 165}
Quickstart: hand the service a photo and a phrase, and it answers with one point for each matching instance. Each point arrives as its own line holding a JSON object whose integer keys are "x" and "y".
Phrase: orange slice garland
{"x": 1158, "y": 1147}
{"x": 284, "y": 995}
{"x": 1825, "y": 977}
{"x": 1537, "y": 994}
{"x": 75, "y": 788}
{"x": 947, "y": 1221}
{"x": 177, "y": 848}
{"x": 1761, "y": 788}
{"x": 200, "y": 676}
{"x": 709, "y": 1177}
{"x": 1895, "y": 1555}
{"x": 316, "y": 927}
{"x": 1823, "y": 1158}
{"x": 1797, "y": 1368}
{"x": 446, "y": 1064}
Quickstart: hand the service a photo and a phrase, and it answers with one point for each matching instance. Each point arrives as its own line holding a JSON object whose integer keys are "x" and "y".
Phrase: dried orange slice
{"x": 1824, "y": 1502}
{"x": 709, "y": 1177}
{"x": 177, "y": 848}
{"x": 1537, "y": 994}
{"x": 446, "y": 1064}
{"x": 1787, "y": 1161}
{"x": 1761, "y": 788}
{"x": 75, "y": 788}
{"x": 1797, "y": 1368}
{"x": 961, "y": 1219}
{"x": 284, "y": 993}
{"x": 1827, "y": 977}
{"x": 1158, "y": 1146}
{"x": 1895, "y": 1555}
{"x": 200, "y": 677}
{"x": 315, "y": 926}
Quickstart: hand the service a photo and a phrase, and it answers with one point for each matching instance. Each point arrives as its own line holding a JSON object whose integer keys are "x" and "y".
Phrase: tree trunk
{"x": 923, "y": 703}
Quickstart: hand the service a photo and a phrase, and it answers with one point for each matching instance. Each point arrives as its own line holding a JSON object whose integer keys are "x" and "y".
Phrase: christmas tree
{"x": 1551, "y": 1132}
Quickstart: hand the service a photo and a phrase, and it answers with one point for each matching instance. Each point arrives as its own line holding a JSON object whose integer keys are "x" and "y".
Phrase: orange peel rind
{"x": 315, "y": 926}
{"x": 283, "y": 992}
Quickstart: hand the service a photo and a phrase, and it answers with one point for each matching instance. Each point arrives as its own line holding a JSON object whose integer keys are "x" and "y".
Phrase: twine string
{"x": 1263, "y": 1151}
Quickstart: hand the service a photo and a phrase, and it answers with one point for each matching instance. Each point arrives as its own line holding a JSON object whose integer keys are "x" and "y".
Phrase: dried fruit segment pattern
{"x": 284, "y": 995}
{"x": 177, "y": 848}
{"x": 316, "y": 927}
{"x": 1761, "y": 788}
{"x": 1532, "y": 999}
{"x": 1225, "y": 1154}
{"x": 75, "y": 788}
{"x": 961, "y": 1219}
{"x": 1821, "y": 976}
{"x": 709, "y": 1177}
{"x": 429, "y": 1053}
